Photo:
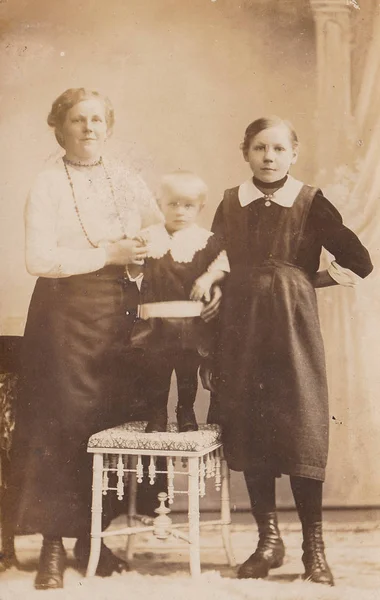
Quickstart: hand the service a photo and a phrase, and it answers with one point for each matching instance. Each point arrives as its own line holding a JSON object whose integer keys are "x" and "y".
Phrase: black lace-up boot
{"x": 51, "y": 566}
{"x": 270, "y": 550}
{"x": 308, "y": 498}
{"x": 313, "y": 558}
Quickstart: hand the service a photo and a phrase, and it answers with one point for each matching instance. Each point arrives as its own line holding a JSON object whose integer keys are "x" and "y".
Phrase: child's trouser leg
{"x": 308, "y": 498}
{"x": 186, "y": 368}
{"x": 270, "y": 550}
{"x": 159, "y": 373}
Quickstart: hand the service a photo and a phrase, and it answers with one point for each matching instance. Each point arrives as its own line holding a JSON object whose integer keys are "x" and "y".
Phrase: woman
{"x": 81, "y": 217}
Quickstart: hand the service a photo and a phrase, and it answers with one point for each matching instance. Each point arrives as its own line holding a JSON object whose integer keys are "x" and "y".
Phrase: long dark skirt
{"x": 273, "y": 391}
{"x": 78, "y": 377}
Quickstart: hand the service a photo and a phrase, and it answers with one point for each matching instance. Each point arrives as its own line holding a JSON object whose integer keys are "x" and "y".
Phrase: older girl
{"x": 81, "y": 217}
{"x": 272, "y": 388}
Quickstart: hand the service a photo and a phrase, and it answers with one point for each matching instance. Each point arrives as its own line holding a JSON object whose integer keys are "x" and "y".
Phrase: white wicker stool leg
{"x": 225, "y": 511}
{"x": 193, "y": 508}
{"x": 132, "y": 493}
{"x": 96, "y": 514}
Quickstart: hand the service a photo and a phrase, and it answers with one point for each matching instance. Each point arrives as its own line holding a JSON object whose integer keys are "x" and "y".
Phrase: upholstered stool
{"x": 118, "y": 455}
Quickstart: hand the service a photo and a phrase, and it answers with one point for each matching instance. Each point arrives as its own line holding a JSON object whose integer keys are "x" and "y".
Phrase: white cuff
{"x": 343, "y": 276}
{"x": 221, "y": 263}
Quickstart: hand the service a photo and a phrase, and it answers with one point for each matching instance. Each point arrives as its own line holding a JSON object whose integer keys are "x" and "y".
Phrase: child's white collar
{"x": 285, "y": 196}
{"x": 182, "y": 244}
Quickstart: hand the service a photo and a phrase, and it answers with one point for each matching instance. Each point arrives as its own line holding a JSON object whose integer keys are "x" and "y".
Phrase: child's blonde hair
{"x": 184, "y": 182}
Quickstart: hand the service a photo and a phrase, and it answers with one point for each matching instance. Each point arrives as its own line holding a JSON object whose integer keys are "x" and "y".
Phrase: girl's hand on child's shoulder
{"x": 201, "y": 289}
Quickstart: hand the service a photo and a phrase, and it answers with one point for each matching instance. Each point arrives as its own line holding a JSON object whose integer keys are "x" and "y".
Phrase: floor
{"x": 159, "y": 569}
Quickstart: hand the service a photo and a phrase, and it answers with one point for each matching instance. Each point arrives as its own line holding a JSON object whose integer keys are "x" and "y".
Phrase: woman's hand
{"x": 211, "y": 310}
{"x": 124, "y": 252}
{"x": 205, "y": 373}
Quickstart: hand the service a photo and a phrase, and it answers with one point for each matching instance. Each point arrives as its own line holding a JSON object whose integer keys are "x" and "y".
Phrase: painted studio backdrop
{"x": 185, "y": 78}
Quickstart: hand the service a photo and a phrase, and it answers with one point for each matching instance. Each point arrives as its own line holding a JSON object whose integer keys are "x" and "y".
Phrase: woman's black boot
{"x": 308, "y": 498}
{"x": 108, "y": 564}
{"x": 313, "y": 558}
{"x": 51, "y": 566}
{"x": 270, "y": 550}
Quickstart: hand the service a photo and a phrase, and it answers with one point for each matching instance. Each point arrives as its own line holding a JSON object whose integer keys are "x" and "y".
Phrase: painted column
{"x": 333, "y": 40}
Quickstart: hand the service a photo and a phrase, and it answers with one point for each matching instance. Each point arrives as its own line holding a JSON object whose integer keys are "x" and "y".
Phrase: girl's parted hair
{"x": 67, "y": 100}
{"x": 266, "y": 123}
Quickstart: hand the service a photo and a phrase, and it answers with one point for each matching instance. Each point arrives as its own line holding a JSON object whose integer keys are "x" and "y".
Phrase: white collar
{"x": 182, "y": 244}
{"x": 285, "y": 196}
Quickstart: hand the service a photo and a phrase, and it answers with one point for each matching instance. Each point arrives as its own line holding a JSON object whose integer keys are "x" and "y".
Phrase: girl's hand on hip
{"x": 211, "y": 310}
{"x": 124, "y": 252}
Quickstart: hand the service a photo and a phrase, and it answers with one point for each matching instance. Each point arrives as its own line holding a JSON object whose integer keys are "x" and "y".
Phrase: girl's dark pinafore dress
{"x": 273, "y": 391}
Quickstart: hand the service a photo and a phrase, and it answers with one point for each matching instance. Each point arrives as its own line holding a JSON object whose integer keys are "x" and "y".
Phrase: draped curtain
{"x": 350, "y": 318}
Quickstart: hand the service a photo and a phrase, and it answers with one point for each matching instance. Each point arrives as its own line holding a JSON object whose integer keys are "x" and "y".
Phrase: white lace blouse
{"x": 56, "y": 245}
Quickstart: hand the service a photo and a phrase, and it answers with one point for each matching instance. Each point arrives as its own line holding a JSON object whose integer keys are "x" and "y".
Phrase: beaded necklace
{"x": 100, "y": 162}
{"x": 82, "y": 165}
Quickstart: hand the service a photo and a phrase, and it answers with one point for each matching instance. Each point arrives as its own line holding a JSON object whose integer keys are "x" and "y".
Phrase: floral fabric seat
{"x": 132, "y": 436}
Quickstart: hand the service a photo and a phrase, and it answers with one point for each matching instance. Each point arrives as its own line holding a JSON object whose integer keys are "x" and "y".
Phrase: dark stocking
{"x": 262, "y": 492}
{"x": 186, "y": 369}
{"x": 307, "y": 495}
{"x": 159, "y": 375}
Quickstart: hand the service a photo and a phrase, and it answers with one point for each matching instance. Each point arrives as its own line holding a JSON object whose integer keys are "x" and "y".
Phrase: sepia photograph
{"x": 190, "y": 299}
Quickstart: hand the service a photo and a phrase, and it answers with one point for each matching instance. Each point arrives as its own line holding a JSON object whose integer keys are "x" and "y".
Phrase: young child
{"x": 271, "y": 380}
{"x": 184, "y": 261}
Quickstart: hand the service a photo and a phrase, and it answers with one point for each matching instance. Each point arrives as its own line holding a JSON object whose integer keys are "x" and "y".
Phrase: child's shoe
{"x": 186, "y": 419}
{"x": 156, "y": 427}
{"x": 158, "y": 423}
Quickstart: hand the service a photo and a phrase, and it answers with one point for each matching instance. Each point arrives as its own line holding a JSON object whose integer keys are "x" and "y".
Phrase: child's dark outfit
{"x": 170, "y": 329}
{"x": 272, "y": 389}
